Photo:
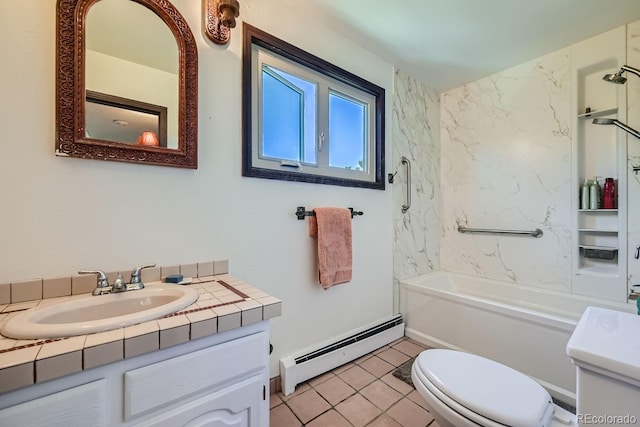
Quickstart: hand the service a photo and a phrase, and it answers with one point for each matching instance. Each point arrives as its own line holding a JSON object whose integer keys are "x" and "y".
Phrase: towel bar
{"x": 301, "y": 212}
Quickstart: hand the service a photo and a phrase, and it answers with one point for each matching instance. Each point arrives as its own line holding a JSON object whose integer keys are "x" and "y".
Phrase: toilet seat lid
{"x": 485, "y": 387}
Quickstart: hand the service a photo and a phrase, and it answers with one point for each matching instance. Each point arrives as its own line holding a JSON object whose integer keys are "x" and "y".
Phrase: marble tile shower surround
{"x": 416, "y": 130}
{"x": 506, "y": 164}
{"x": 633, "y": 152}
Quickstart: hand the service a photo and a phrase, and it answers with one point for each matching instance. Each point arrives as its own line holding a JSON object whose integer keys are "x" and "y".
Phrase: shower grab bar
{"x": 406, "y": 206}
{"x": 534, "y": 233}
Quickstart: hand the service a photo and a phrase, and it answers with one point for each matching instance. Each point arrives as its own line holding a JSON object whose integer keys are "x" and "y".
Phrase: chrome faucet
{"x": 103, "y": 282}
{"x": 119, "y": 285}
{"x": 136, "y": 280}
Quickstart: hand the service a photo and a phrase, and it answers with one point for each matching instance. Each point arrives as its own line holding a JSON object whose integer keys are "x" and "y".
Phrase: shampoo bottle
{"x": 594, "y": 194}
{"x": 609, "y": 194}
{"x": 584, "y": 195}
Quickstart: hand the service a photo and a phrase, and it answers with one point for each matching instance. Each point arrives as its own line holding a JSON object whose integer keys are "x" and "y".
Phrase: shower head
{"x": 601, "y": 121}
{"x": 617, "y": 77}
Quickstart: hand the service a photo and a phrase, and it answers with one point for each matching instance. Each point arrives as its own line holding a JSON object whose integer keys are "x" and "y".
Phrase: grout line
{"x": 32, "y": 344}
{"x": 357, "y": 392}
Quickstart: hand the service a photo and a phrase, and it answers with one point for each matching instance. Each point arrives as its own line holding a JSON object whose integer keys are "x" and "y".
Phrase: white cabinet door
{"x": 171, "y": 382}
{"x": 239, "y": 405}
{"x": 83, "y": 405}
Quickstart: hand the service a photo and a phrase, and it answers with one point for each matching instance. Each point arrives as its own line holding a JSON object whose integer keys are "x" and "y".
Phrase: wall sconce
{"x": 149, "y": 139}
{"x": 219, "y": 17}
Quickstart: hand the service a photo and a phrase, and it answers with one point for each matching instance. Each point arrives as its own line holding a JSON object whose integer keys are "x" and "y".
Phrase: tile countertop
{"x": 224, "y": 303}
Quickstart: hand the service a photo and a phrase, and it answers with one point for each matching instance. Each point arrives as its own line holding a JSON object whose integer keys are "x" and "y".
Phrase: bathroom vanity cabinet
{"x": 219, "y": 380}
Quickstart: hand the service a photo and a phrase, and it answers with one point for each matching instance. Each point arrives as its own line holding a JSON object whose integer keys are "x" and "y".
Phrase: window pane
{"x": 347, "y": 133}
{"x": 289, "y": 116}
{"x": 282, "y": 107}
{"x": 309, "y": 118}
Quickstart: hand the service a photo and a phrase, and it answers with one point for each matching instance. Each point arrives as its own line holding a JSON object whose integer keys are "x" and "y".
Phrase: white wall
{"x": 62, "y": 214}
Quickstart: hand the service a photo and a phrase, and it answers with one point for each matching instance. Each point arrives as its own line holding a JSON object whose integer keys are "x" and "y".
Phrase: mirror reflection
{"x": 112, "y": 118}
{"x": 131, "y": 76}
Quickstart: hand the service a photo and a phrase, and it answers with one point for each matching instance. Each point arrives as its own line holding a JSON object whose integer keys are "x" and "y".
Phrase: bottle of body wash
{"x": 584, "y": 195}
{"x": 594, "y": 194}
{"x": 609, "y": 194}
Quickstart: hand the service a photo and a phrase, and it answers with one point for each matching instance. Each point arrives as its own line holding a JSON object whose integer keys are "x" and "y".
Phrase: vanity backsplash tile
{"x": 58, "y": 287}
{"x": 5, "y": 293}
{"x": 189, "y": 270}
{"x": 221, "y": 267}
{"x": 83, "y": 284}
{"x": 37, "y": 289}
{"x": 205, "y": 269}
{"x": 26, "y": 291}
{"x": 169, "y": 270}
{"x": 150, "y": 274}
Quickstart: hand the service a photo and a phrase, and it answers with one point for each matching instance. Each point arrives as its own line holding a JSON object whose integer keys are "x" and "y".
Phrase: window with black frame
{"x": 305, "y": 119}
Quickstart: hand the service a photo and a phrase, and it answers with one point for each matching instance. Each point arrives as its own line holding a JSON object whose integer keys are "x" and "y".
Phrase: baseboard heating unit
{"x": 295, "y": 369}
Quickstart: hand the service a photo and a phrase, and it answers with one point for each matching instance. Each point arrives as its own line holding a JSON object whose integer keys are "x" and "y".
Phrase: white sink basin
{"x": 90, "y": 314}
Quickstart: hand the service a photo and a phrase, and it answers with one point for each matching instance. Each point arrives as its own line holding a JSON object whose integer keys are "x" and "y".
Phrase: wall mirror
{"x": 127, "y": 86}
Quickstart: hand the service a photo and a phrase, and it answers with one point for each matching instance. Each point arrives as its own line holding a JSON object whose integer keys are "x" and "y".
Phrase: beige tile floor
{"x": 361, "y": 393}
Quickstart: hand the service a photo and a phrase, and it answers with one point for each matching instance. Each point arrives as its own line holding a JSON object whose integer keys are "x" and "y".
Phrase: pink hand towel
{"x": 332, "y": 227}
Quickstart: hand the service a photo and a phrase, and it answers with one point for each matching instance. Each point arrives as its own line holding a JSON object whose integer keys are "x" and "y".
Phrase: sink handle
{"x": 135, "y": 274}
{"x": 103, "y": 281}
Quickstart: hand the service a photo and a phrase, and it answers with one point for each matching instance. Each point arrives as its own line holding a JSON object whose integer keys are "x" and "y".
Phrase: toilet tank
{"x": 605, "y": 348}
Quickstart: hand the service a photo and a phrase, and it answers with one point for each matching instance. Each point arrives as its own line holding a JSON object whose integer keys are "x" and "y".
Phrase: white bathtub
{"x": 523, "y": 327}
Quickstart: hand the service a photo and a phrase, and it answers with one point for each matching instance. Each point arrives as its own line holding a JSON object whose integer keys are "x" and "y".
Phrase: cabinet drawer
{"x": 167, "y": 382}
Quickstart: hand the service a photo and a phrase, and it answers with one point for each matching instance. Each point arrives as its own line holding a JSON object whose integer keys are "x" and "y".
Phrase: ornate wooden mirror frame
{"x": 70, "y": 91}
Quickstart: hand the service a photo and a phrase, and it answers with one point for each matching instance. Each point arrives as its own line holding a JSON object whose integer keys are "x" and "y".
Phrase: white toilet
{"x": 463, "y": 389}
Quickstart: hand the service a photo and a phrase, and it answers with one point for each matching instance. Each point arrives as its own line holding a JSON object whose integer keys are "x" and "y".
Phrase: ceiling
{"x": 446, "y": 43}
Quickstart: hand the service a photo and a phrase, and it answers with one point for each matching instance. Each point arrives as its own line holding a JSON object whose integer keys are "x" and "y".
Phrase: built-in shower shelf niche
{"x": 598, "y": 113}
{"x": 599, "y": 236}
